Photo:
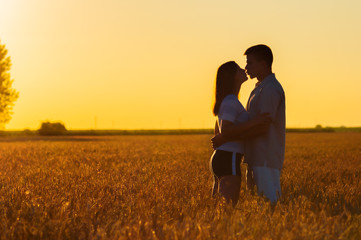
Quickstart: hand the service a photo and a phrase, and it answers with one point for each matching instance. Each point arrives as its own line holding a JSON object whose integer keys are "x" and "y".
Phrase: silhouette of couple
{"x": 255, "y": 133}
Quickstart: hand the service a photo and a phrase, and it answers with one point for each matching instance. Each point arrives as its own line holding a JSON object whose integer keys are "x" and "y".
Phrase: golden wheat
{"x": 158, "y": 187}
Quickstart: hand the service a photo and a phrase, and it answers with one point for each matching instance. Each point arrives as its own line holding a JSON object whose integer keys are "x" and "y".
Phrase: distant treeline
{"x": 325, "y": 129}
{"x": 165, "y": 131}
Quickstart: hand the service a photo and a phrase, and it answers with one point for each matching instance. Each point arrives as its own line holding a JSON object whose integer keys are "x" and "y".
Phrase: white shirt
{"x": 269, "y": 149}
{"x": 232, "y": 110}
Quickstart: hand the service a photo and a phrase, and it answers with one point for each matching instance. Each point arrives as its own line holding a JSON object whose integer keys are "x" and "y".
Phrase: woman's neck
{"x": 236, "y": 92}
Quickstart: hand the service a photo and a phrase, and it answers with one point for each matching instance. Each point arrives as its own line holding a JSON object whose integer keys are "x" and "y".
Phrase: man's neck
{"x": 262, "y": 76}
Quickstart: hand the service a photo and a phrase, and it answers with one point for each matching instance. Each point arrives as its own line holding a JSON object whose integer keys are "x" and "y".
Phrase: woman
{"x": 232, "y": 117}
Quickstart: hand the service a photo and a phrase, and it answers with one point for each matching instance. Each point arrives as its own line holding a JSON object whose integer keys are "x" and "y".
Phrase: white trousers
{"x": 267, "y": 181}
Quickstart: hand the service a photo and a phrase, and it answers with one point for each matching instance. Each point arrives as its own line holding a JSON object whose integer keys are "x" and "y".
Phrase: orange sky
{"x": 152, "y": 64}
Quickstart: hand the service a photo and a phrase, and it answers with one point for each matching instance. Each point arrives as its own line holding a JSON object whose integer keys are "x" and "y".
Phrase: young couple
{"x": 256, "y": 133}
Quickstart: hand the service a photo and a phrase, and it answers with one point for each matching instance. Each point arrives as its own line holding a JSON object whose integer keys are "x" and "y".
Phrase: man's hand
{"x": 217, "y": 141}
{"x": 262, "y": 119}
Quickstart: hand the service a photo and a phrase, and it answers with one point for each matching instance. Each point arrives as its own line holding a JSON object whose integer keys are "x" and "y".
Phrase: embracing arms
{"x": 242, "y": 131}
{"x": 269, "y": 102}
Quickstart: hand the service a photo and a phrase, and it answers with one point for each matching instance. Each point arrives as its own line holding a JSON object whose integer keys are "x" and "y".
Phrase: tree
{"x": 52, "y": 129}
{"x": 8, "y": 95}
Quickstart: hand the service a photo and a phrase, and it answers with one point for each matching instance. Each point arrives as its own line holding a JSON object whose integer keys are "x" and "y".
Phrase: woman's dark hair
{"x": 224, "y": 83}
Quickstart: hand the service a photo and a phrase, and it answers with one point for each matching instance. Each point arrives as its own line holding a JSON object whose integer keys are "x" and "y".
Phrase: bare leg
{"x": 230, "y": 187}
{"x": 249, "y": 179}
{"x": 215, "y": 186}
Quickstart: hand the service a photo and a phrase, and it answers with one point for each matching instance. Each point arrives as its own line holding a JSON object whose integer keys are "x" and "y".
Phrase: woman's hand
{"x": 217, "y": 141}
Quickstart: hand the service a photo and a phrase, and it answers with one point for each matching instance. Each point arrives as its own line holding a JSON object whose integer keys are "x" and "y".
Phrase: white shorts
{"x": 267, "y": 181}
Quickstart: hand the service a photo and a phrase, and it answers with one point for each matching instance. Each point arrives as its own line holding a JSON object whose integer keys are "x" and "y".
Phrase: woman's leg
{"x": 226, "y": 170}
{"x": 250, "y": 179}
{"x": 215, "y": 186}
{"x": 230, "y": 187}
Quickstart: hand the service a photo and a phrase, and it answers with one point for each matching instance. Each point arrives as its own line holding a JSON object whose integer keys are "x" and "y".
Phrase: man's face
{"x": 253, "y": 66}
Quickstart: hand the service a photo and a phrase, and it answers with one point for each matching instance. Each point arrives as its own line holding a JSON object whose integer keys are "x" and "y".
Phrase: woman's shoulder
{"x": 231, "y": 98}
{"x": 230, "y": 102}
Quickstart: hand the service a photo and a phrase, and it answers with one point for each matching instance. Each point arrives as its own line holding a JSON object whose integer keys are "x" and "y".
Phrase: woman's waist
{"x": 235, "y": 146}
{"x": 218, "y": 153}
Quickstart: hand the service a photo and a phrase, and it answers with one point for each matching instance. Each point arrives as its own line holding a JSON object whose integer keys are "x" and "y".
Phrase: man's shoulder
{"x": 273, "y": 90}
{"x": 273, "y": 85}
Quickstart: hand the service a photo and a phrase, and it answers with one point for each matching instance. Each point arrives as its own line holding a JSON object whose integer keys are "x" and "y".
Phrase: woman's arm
{"x": 216, "y": 129}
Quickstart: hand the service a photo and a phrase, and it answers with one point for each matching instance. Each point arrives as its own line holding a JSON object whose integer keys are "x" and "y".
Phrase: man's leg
{"x": 276, "y": 176}
{"x": 267, "y": 182}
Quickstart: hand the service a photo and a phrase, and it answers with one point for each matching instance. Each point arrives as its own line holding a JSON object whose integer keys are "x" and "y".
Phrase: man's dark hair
{"x": 261, "y": 52}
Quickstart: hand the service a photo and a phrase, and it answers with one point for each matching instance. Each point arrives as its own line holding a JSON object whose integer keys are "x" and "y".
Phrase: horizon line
{"x": 161, "y": 129}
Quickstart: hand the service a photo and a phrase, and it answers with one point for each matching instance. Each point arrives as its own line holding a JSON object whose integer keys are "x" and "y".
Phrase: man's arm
{"x": 230, "y": 130}
{"x": 269, "y": 101}
{"x": 256, "y": 131}
{"x": 247, "y": 130}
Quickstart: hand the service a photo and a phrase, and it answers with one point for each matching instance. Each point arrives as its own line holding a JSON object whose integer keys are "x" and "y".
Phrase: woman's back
{"x": 231, "y": 109}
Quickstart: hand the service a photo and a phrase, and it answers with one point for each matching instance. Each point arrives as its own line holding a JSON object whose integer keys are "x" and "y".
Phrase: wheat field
{"x": 159, "y": 187}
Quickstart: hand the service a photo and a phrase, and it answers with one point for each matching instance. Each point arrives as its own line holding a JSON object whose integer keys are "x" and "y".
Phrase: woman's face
{"x": 240, "y": 77}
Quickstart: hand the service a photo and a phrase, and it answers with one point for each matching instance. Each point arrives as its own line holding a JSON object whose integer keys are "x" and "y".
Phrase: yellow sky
{"x": 151, "y": 64}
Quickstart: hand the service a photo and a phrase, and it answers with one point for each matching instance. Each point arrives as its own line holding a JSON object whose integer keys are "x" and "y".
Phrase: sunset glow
{"x": 151, "y": 64}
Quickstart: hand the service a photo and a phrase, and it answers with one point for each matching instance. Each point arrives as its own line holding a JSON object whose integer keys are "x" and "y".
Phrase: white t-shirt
{"x": 232, "y": 110}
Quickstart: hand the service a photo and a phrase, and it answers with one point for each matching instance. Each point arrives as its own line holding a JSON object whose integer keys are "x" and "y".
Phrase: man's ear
{"x": 264, "y": 64}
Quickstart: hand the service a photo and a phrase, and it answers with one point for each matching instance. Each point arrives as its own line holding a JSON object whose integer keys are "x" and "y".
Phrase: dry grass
{"x": 158, "y": 187}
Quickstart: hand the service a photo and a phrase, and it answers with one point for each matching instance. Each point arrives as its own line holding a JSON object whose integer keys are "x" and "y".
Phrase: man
{"x": 265, "y": 147}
